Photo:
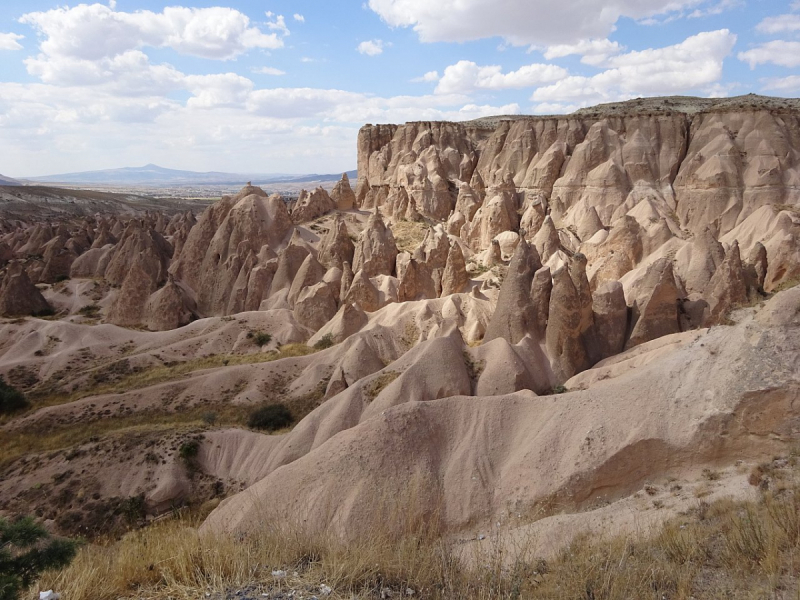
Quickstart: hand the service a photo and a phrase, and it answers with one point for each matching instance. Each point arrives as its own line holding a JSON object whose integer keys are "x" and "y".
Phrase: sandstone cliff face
{"x": 710, "y": 168}
{"x": 676, "y": 174}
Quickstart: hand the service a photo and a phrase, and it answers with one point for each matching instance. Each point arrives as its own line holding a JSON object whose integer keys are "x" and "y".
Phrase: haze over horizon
{"x": 283, "y": 87}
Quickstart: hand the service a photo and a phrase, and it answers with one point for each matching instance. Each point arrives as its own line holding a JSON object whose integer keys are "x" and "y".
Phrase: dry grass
{"x": 373, "y": 389}
{"x": 732, "y": 550}
{"x": 167, "y": 372}
{"x": 408, "y": 235}
{"x": 33, "y": 440}
{"x": 16, "y": 444}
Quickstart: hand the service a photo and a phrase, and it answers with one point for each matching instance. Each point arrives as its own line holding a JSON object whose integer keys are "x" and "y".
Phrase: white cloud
{"x": 778, "y": 52}
{"x": 790, "y": 84}
{"x": 212, "y": 91}
{"x": 112, "y": 4}
{"x": 694, "y": 64}
{"x": 129, "y": 73}
{"x": 466, "y": 76}
{"x": 268, "y": 71}
{"x": 95, "y": 31}
{"x": 779, "y": 24}
{"x": 8, "y": 41}
{"x": 299, "y": 18}
{"x": 717, "y": 9}
{"x": 520, "y": 22}
{"x": 428, "y": 77}
{"x": 593, "y": 52}
{"x": 555, "y": 108}
{"x": 371, "y": 47}
{"x": 279, "y": 24}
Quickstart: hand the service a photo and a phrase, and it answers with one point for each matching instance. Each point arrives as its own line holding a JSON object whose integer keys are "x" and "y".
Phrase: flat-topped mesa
{"x": 689, "y": 156}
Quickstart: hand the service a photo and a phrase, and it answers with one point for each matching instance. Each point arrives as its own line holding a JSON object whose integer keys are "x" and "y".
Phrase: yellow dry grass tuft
{"x": 722, "y": 550}
{"x": 408, "y": 235}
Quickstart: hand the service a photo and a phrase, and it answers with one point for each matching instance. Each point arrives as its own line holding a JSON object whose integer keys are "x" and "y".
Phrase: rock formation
{"x": 515, "y": 315}
{"x": 18, "y": 296}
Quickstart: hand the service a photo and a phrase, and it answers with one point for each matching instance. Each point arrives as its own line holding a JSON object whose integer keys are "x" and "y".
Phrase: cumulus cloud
{"x": 212, "y": 91}
{"x": 129, "y": 73}
{"x": 8, "y": 41}
{"x": 593, "y": 52}
{"x": 428, "y": 77}
{"x": 299, "y": 18}
{"x": 520, "y": 22}
{"x": 95, "y": 31}
{"x": 371, "y": 47}
{"x": 778, "y": 52}
{"x": 694, "y": 64}
{"x": 466, "y": 76}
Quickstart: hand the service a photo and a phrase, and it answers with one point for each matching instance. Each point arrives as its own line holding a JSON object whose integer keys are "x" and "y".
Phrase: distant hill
{"x": 153, "y": 175}
{"x": 8, "y": 181}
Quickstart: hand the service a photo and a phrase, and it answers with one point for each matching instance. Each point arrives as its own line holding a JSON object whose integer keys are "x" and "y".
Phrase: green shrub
{"x": 188, "y": 450}
{"x": 90, "y": 310}
{"x": 11, "y": 399}
{"x": 560, "y": 389}
{"x": 260, "y": 338}
{"x": 270, "y": 417}
{"x": 26, "y": 549}
{"x": 326, "y": 341}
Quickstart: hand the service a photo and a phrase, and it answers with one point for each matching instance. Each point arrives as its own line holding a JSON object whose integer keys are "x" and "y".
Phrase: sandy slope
{"x": 729, "y": 394}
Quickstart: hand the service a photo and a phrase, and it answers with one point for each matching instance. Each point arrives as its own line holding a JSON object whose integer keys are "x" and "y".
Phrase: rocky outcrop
{"x": 342, "y": 194}
{"x": 363, "y": 293}
{"x": 219, "y": 245}
{"x": 656, "y": 314}
{"x": 315, "y": 306}
{"x": 727, "y": 288}
{"x": 18, "y": 296}
{"x": 141, "y": 246}
{"x": 610, "y": 319}
{"x": 311, "y": 205}
{"x": 564, "y": 337}
{"x": 515, "y": 316}
{"x": 336, "y": 247}
{"x": 375, "y": 251}
{"x": 128, "y": 309}
{"x": 168, "y": 308}
{"x": 454, "y": 277}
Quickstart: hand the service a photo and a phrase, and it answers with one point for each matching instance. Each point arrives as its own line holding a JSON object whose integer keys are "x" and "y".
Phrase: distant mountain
{"x": 313, "y": 178}
{"x": 8, "y": 181}
{"x": 153, "y": 175}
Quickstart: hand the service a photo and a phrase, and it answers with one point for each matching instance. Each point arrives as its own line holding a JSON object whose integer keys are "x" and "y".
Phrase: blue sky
{"x": 283, "y": 86}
